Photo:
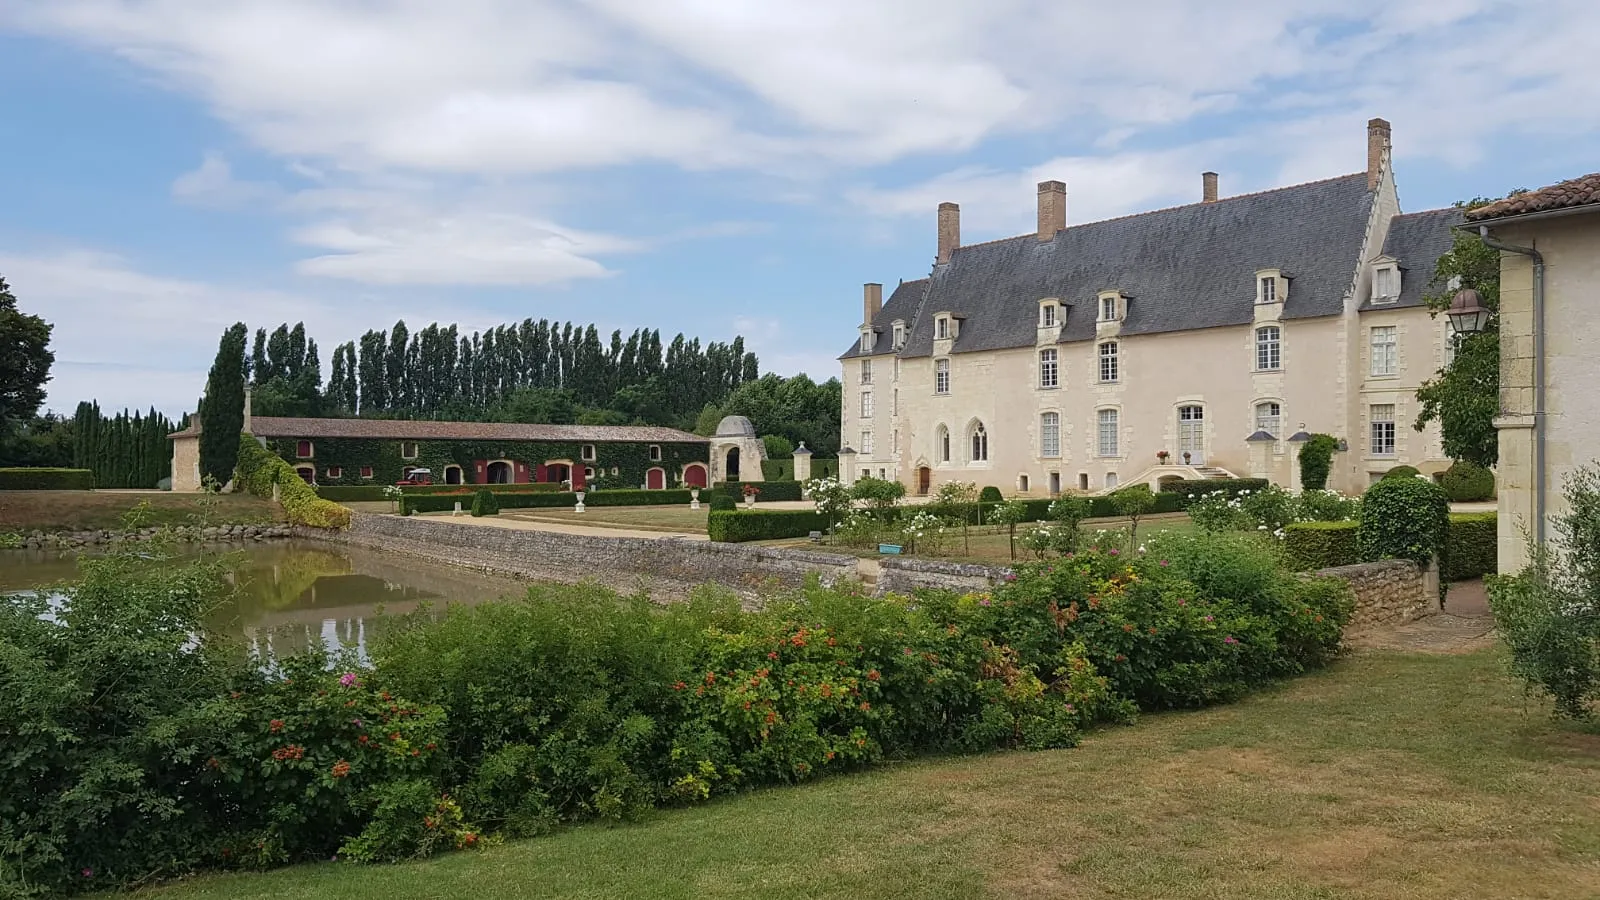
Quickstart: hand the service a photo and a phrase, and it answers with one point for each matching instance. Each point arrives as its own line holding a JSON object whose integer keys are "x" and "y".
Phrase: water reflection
{"x": 293, "y": 596}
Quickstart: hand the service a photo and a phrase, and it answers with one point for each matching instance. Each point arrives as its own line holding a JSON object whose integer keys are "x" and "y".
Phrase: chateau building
{"x": 1203, "y": 340}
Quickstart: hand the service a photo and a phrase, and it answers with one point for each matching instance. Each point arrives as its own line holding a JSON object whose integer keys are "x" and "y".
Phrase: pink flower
{"x": 1114, "y": 552}
{"x": 1208, "y": 618}
{"x": 88, "y": 873}
{"x": 1163, "y": 563}
{"x": 1229, "y": 640}
{"x": 349, "y": 679}
{"x": 983, "y": 602}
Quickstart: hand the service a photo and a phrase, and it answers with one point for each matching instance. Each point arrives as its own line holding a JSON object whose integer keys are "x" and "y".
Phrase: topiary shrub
{"x": 484, "y": 504}
{"x": 1308, "y": 546}
{"x": 733, "y": 526}
{"x": 721, "y": 502}
{"x": 1316, "y": 461}
{"x": 1473, "y": 546}
{"x": 46, "y": 480}
{"x": 1467, "y": 482}
{"x": 1404, "y": 518}
{"x": 990, "y": 494}
{"x": 1402, "y": 472}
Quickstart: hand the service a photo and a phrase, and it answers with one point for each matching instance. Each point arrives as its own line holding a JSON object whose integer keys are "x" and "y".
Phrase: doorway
{"x": 452, "y": 474}
{"x": 732, "y": 469}
{"x": 1055, "y": 483}
{"x": 307, "y": 474}
{"x": 498, "y": 472}
{"x": 1192, "y": 434}
{"x": 924, "y": 480}
{"x": 557, "y": 472}
{"x": 694, "y": 475}
{"x": 655, "y": 479}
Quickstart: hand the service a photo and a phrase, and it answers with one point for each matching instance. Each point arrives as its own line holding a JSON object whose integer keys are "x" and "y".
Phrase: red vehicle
{"x": 417, "y": 477}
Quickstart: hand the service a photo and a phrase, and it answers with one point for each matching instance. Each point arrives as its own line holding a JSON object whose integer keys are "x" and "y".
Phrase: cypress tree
{"x": 222, "y": 414}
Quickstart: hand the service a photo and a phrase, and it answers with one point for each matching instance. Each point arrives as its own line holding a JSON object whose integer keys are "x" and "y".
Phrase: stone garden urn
{"x": 579, "y": 507}
{"x": 694, "y": 498}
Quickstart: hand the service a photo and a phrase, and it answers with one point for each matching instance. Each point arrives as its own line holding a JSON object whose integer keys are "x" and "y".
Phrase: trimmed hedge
{"x": 410, "y": 504}
{"x": 1199, "y": 487}
{"x": 735, "y": 526}
{"x": 1466, "y": 482}
{"x": 770, "y": 490}
{"x": 258, "y": 469}
{"x": 29, "y": 479}
{"x": 1474, "y": 546}
{"x": 527, "y": 487}
{"x": 344, "y": 493}
{"x": 483, "y": 504}
{"x": 1037, "y": 510}
{"x": 1402, "y": 472}
{"x": 1308, "y": 546}
{"x": 1404, "y": 518}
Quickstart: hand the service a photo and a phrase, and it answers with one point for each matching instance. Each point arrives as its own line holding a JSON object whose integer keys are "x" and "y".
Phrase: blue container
{"x": 889, "y": 549}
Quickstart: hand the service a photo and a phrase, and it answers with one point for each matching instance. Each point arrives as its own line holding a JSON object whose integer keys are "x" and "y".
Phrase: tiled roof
{"x": 421, "y": 430}
{"x": 1417, "y": 240}
{"x": 1584, "y": 191}
{"x": 902, "y": 305}
{"x": 1183, "y": 268}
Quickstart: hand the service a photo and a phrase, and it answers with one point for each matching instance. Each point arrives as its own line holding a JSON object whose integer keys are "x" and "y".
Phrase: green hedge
{"x": 1197, "y": 487}
{"x": 1037, "y": 510}
{"x": 258, "y": 469}
{"x": 1466, "y": 482}
{"x": 777, "y": 469}
{"x": 734, "y": 526}
{"x": 530, "y": 487}
{"x": 525, "y": 500}
{"x": 1402, "y": 472}
{"x": 340, "y": 493}
{"x": 1474, "y": 546}
{"x": 46, "y": 480}
{"x": 770, "y": 490}
{"x": 358, "y": 493}
{"x": 1309, "y": 546}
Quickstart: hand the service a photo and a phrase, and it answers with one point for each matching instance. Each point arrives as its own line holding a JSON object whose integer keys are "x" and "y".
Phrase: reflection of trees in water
{"x": 270, "y": 639}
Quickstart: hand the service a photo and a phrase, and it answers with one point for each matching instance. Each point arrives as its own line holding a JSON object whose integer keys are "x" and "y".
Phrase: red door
{"x": 695, "y": 475}
{"x": 655, "y": 479}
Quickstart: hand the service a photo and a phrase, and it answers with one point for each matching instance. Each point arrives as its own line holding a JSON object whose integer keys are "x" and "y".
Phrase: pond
{"x": 294, "y": 595}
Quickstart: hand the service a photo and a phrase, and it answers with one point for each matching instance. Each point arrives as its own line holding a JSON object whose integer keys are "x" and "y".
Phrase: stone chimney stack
{"x": 871, "y": 302}
{"x": 1377, "y": 151}
{"x": 1052, "y": 208}
{"x": 1208, "y": 187}
{"x": 949, "y": 230}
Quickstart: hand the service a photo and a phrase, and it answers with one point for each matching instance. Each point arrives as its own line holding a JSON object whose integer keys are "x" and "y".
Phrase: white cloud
{"x": 776, "y": 348}
{"x": 213, "y": 185}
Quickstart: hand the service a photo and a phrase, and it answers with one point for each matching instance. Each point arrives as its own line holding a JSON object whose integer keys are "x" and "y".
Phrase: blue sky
{"x": 171, "y": 166}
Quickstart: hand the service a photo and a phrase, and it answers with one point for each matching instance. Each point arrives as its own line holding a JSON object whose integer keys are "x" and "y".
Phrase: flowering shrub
{"x": 1269, "y": 509}
{"x": 148, "y": 751}
{"x": 832, "y": 497}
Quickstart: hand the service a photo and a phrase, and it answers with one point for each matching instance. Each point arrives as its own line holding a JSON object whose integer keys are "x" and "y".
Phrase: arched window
{"x": 1269, "y": 348}
{"x": 941, "y": 444}
{"x": 980, "y": 443}
{"x": 1269, "y": 417}
{"x": 1050, "y": 434}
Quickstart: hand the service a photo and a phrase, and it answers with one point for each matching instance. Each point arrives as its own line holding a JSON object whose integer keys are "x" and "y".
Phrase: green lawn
{"x": 665, "y": 518}
{"x": 84, "y": 510}
{"x": 989, "y": 545}
{"x": 1390, "y": 776}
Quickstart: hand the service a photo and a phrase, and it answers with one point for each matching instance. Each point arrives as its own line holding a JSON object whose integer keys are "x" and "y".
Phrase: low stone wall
{"x": 1389, "y": 592}
{"x": 191, "y": 534}
{"x": 897, "y": 575}
{"x": 665, "y": 568}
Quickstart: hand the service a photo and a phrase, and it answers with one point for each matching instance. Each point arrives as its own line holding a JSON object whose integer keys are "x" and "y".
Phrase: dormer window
{"x": 1269, "y": 290}
{"x": 943, "y": 328}
{"x": 1049, "y": 314}
{"x": 866, "y": 340}
{"x": 1271, "y": 286}
{"x": 899, "y": 339}
{"x": 1386, "y": 284}
{"x": 1111, "y": 306}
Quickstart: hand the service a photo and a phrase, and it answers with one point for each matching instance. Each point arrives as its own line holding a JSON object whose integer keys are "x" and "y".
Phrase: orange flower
{"x": 395, "y": 736}
{"x": 415, "y": 752}
{"x": 363, "y": 739}
{"x": 772, "y": 655}
{"x": 865, "y": 706}
{"x": 1127, "y": 627}
{"x": 276, "y": 725}
{"x": 340, "y": 769}
{"x": 873, "y": 675}
{"x": 679, "y": 686}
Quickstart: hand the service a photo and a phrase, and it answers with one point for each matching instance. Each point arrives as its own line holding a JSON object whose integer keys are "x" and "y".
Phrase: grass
{"x": 22, "y": 511}
{"x": 1390, "y": 776}
{"x": 679, "y": 517}
{"x": 989, "y": 545}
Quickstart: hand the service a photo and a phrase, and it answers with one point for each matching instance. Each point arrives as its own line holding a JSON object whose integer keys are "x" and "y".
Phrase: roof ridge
{"x": 1150, "y": 212}
{"x": 1429, "y": 212}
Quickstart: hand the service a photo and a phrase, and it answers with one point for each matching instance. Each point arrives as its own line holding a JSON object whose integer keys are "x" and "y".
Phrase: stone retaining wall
{"x": 192, "y": 534}
{"x": 664, "y": 568}
{"x": 902, "y": 576}
{"x": 1389, "y": 592}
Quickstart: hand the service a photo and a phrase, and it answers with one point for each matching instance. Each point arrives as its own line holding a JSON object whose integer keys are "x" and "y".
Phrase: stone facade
{"x": 1388, "y": 592}
{"x": 1570, "y": 246}
{"x": 930, "y": 412}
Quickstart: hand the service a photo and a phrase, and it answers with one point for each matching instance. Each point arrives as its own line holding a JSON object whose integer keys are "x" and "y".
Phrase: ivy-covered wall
{"x": 617, "y": 464}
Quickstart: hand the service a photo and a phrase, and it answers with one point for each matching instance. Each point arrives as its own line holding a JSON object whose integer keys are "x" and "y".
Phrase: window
{"x": 1083, "y": 481}
{"x": 1269, "y": 289}
{"x": 980, "y": 443}
{"x": 587, "y": 452}
{"x": 1050, "y": 434}
{"x": 1108, "y": 309}
{"x": 1452, "y": 342}
{"x": 866, "y": 371}
{"x": 894, "y": 442}
{"x": 335, "y": 471}
{"x": 1107, "y": 428}
{"x": 366, "y": 471}
{"x": 1108, "y": 362}
{"x": 866, "y": 404}
{"x": 866, "y": 342}
{"x": 302, "y": 449}
{"x": 1385, "y": 284}
{"x": 1269, "y": 417}
{"x": 1049, "y": 368}
{"x": 899, "y": 335}
{"x": 941, "y": 376}
{"x": 866, "y": 442}
{"x": 883, "y": 474}
{"x": 655, "y": 452}
{"x": 897, "y": 368}
{"x": 1382, "y": 418}
{"x": 1269, "y": 348}
{"x": 1385, "y": 352}
{"x": 941, "y": 328}
{"x": 1111, "y": 479}
{"x": 1047, "y": 315}
{"x": 1022, "y": 483}
{"x": 941, "y": 444}
{"x": 894, "y": 402}
{"x": 588, "y": 473}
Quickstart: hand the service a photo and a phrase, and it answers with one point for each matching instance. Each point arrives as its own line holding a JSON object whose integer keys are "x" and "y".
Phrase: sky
{"x": 168, "y": 167}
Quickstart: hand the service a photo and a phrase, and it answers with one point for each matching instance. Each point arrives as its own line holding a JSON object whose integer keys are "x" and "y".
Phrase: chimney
{"x": 949, "y": 230}
{"x": 871, "y": 302}
{"x": 1052, "y": 208}
{"x": 1208, "y": 187}
{"x": 1377, "y": 151}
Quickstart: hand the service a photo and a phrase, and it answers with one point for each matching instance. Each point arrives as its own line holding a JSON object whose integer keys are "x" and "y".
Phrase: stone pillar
{"x": 802, "y": 463}
{"x": 847, "y": 465}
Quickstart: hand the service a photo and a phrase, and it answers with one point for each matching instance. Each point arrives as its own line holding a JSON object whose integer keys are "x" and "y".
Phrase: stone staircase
{"x": 1214, "y": 472}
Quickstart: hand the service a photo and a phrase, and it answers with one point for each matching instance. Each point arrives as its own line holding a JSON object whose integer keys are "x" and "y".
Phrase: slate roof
{"x": 1183, "y": 268}
{"x": 1582, "y": 191}
{"x": 421, "y": 430}
{"x": 1417, "y": 240}
{"x": 902, "y": 304}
